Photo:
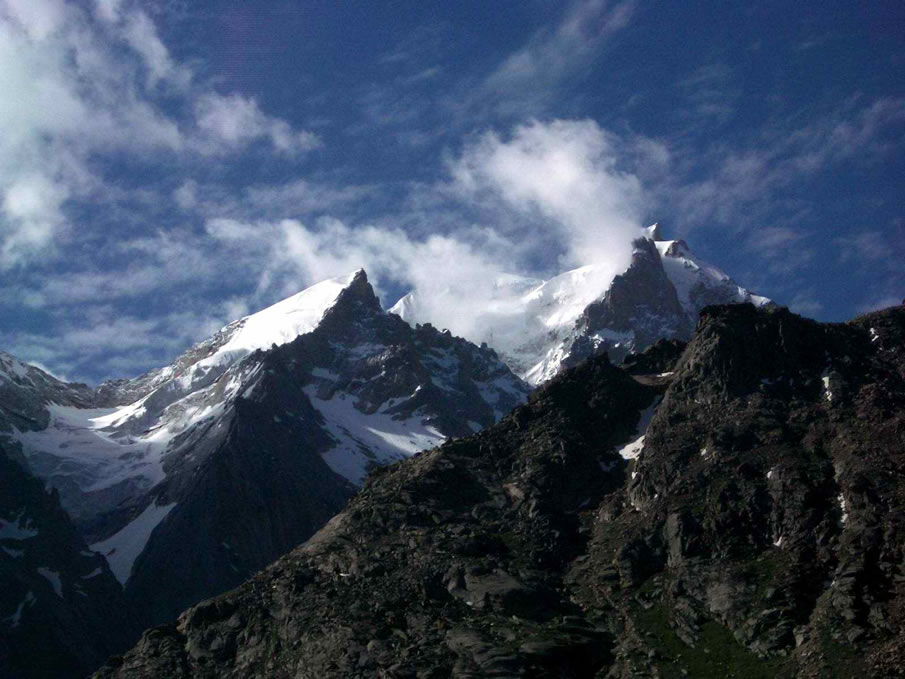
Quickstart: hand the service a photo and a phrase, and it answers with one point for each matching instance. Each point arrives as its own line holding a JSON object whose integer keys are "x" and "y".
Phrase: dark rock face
{"x": 759, "y": 532}
{"x": 642, "y": 306}
{"x": 261, "y": 488}
{"x": 25, "y": 391}
{"x": 658, "y": 359}
{"x": 61, "y": 610}
{"x": 769, "y": 495}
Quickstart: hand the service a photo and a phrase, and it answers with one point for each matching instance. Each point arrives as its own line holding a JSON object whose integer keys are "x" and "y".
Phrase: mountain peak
{"x": 356, "y": 297}
{"x": 654, "y": 232}
{"x": 296, "y": 315}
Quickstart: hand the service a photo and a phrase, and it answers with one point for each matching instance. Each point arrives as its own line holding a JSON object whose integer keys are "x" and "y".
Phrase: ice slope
{"x": 363, "y": 441}
{"x": 696, "y": 282}
{"x": 123, "y": 547}
{"x": 277, "y": 324}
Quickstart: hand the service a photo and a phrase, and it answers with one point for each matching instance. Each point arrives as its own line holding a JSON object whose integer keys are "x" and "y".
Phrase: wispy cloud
{"x": 710, "y": 92}
{"x": 566, "y": 171}
{"x": 749, "y": 180}
{"x": 94, "y": 84}
{"x": 231, "y": 122}
{"x": 527, "y": 80}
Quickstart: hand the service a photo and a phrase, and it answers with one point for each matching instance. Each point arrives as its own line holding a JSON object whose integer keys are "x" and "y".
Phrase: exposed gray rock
{"x": 533, "y": 549}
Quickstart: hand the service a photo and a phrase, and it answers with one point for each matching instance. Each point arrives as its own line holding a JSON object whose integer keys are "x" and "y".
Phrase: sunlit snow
{"x": 363, "y": 440}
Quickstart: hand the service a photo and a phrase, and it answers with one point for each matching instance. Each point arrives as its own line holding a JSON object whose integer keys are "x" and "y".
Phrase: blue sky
{"x": 169, "y": 166}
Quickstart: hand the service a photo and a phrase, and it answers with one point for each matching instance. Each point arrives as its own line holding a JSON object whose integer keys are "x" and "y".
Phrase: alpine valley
{"x": 390, "y": 500}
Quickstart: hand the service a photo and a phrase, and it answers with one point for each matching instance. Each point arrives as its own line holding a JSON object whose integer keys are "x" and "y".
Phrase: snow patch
{"x": 77, "y": 445}
{"x": 53, "y": 577}
{"x": 363, "y": 440}
{"x": 122, "y": 548}
{"x": 633, "y": 448}
{"x": 827, "y": 391}
{"x": 843, "y": 508}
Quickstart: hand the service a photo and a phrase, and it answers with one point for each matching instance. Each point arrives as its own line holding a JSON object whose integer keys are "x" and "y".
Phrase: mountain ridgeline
{"x": 732, "y": 506}
{"x": 757, "y": 532}
{"x": 187, "y": 480}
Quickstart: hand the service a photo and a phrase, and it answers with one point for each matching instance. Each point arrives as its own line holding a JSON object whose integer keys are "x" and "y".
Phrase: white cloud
{"x": 531, "y": 76}
{"x": 141, "y": 34}
{"x": 233, "y": 121}
{"x": 551, "y": 183}
{"x": 546, "y": 185}
{"x": 81, "y": 85}
{"x": 108, "y": 10}
{"x": 31, "y": 207}
{"x": 567, "y": 171}
{"x": 39, "y": 18}
{"x": 286, "y": 256}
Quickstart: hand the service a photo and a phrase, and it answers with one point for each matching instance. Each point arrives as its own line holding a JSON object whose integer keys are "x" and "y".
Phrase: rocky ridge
{"x": 757, "y": 533}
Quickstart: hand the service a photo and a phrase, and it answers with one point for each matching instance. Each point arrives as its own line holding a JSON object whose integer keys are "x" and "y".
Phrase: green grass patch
{"x": 717, "y": 653}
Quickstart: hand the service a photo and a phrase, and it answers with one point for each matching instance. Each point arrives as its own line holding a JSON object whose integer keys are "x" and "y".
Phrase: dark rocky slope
{"x": 61, "y": 610}
{"x": 759, "y": 533}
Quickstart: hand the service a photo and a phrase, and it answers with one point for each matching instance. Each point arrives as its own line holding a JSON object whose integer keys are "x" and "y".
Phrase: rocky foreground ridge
{"x": 757, "y": 533}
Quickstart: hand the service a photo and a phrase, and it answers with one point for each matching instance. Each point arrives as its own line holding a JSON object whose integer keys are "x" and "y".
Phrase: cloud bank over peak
{"x": 565, "y": 171}
{"x": 550, "y": 186}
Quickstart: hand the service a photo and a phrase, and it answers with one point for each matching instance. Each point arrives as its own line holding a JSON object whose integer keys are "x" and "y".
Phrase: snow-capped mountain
{"x": 539, "y": 327}
{"x": 191, "y": 477}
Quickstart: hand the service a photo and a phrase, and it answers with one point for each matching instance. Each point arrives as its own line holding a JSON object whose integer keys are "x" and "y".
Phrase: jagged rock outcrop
{"x": 758, "y": 533}
{"x": 640, "y": 307}
{"x": 767, "y": 505}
